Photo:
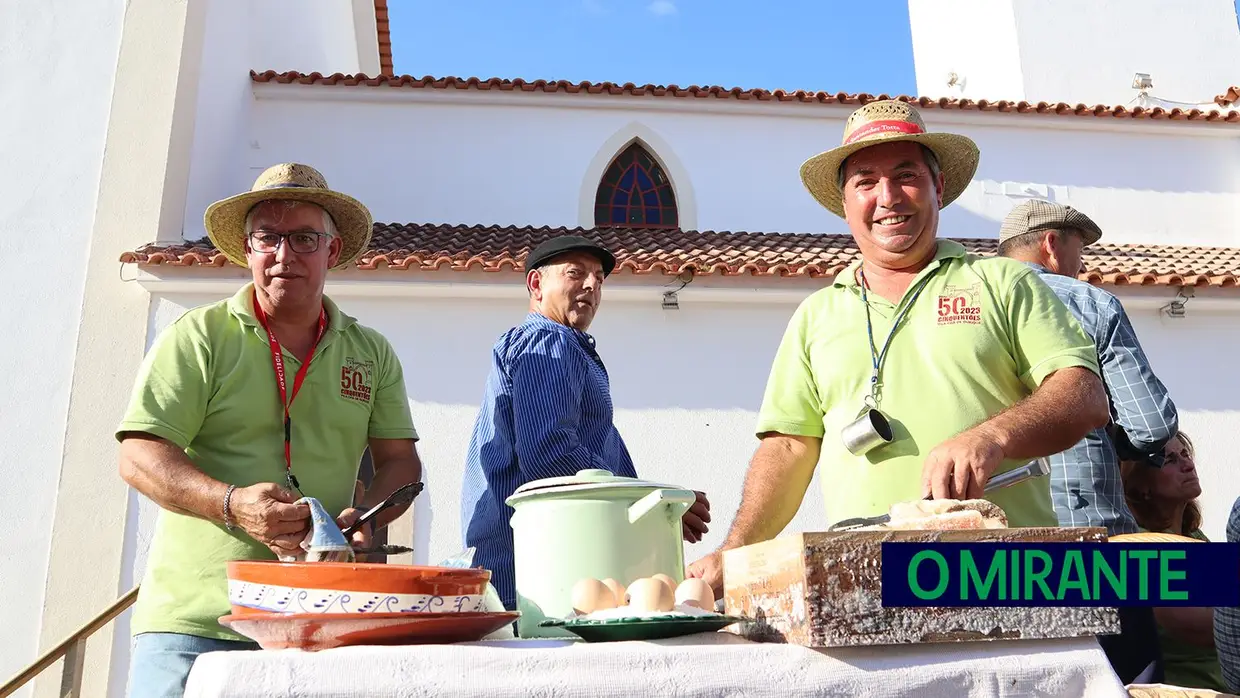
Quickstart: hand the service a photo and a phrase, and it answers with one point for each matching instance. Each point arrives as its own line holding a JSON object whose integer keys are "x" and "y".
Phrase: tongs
{"x": 403, "y": 495}
{"x": 385, "y": 549}
{"x": 1015, "y": 476}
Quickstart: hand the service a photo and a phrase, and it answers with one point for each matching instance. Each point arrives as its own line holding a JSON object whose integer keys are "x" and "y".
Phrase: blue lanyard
{"x": 875, "y": 355}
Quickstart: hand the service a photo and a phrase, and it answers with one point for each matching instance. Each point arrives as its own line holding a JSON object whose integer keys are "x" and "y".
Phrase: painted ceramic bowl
{"x": 312, "y": 632}
{"x": 256, "y": 586}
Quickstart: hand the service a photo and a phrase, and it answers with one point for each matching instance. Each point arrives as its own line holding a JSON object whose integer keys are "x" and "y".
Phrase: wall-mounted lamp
{"x": 1176, "y": 308}
{"x": 1142, "y": 81}
{"x": 670, "y": 300}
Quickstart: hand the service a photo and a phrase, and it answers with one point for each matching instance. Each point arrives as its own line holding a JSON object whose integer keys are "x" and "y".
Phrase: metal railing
{"x": 73, "y": 649}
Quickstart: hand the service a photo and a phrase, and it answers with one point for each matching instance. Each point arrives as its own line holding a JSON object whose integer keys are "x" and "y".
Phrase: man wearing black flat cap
{"x": 547, "y": 409}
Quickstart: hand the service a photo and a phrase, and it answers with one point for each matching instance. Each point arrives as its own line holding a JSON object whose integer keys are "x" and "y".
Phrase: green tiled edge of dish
{"x": 641, "y": 628}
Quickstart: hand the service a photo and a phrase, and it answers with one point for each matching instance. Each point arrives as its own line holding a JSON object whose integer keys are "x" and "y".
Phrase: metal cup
{"x": 866, "y": 433}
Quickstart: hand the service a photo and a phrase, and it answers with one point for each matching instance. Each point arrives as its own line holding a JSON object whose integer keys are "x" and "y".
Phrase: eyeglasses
{"x": 302, "y": 242}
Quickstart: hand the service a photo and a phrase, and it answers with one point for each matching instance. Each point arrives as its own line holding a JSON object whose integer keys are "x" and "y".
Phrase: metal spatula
{"x": 1015, "y": 476}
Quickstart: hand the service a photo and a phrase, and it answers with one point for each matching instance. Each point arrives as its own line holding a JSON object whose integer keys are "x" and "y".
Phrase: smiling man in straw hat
{"x": 244, "y": 406}
{"x": 922, "y": 370}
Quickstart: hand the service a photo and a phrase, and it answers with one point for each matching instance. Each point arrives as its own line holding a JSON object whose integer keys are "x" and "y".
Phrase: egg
{"x": 671, "y": 583}
{"x": 617, "y": 589}
{"x": 697, "y": 593}
{"x": 590, "y": 595}
{"x": 650, "y": 594}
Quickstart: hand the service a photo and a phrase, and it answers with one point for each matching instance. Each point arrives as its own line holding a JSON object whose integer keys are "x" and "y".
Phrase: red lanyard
{"x": 277, "y": 361}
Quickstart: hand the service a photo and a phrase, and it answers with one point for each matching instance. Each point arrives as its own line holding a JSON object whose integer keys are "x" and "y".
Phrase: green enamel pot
{"x": 592, "y": 524}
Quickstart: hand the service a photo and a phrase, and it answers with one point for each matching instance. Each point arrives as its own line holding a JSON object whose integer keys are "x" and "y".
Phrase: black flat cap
{"x": 569, "y": 243}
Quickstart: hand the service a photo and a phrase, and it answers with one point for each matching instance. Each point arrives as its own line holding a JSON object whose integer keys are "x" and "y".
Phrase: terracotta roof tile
{"x": 431, "y": 247}
{"x": 756, "y": 95}
{"x": 1229, "y": 98}
{"x": 386, "y": 67}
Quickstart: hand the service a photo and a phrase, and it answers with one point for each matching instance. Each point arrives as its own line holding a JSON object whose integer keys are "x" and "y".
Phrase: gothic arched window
{"x": 635, "y": 192}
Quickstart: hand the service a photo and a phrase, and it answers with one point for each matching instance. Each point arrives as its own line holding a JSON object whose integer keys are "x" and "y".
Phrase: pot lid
{"x": 589, "y": 480}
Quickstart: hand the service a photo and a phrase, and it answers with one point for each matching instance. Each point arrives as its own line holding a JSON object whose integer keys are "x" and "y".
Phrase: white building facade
{"x": 463, "y": 176}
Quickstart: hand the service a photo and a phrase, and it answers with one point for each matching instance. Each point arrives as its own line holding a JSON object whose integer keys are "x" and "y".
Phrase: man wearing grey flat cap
{"x": 1086, "y": 489}
{"x": 547, "y": 409}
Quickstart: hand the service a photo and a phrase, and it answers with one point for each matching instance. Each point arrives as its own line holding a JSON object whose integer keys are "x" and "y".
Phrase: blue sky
{"x": 781, "y": 44}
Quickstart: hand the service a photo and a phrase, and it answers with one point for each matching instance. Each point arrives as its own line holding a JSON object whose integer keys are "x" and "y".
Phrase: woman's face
{"x": 1177, "y": 480}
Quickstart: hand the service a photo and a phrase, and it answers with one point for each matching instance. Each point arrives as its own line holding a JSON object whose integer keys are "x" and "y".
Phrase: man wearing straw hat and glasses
{"x": 922, "y": 370}
{"x": 244, "y": 406}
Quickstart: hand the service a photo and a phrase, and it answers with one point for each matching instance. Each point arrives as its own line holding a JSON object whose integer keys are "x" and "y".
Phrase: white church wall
{"x": 1084, "y": 52}
{"x": 966, "y": 48}
{"x": 1158, "y": 186}
{"x": 1076, "y": 52}
{"x": 222, "y": 115}
{"x": 428, "y": 156}
{"x": 306, "y": 35}
{"x": 58, "y": 71}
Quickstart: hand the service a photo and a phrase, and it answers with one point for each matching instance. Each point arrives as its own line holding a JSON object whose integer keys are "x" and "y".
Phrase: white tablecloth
{"x": 709, "y": 664}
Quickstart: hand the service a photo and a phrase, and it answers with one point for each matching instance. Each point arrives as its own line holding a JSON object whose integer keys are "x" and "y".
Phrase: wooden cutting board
{"x": 825, "y": 590}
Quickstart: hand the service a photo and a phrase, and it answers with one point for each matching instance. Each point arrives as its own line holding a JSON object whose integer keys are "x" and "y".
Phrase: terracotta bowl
{"x": 261, "y": 586}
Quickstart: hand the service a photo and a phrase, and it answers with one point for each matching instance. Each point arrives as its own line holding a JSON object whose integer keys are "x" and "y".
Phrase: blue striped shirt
{"x": 546, "y": 412}
{"x": 1085, "y": 483}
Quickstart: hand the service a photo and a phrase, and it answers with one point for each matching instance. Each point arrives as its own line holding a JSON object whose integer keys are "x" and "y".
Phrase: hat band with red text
{"x": 876, "y": 127}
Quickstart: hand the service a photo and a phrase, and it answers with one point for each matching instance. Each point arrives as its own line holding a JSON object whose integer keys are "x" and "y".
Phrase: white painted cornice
{"x": 937, "y": 118}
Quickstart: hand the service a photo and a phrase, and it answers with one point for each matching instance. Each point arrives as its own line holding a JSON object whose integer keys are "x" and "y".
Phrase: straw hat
{"x": 889, "y": 121}
{"x": 290, "y": 181}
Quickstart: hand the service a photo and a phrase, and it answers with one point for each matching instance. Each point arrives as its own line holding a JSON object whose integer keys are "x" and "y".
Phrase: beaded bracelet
{"x": 228, "y": 518}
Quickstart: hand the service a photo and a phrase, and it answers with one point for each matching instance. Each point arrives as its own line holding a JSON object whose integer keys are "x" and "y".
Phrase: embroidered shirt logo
{"x": 356, "y": 379}
{"x": 961, "y": 305}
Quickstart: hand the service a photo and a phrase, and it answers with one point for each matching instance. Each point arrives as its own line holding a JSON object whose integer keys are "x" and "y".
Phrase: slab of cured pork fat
{"x": 944, "y": 515}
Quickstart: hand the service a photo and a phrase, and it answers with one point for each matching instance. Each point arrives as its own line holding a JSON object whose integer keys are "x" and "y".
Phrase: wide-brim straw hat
{"x": 290, "y": 181}
{"x": 889, "y": 121}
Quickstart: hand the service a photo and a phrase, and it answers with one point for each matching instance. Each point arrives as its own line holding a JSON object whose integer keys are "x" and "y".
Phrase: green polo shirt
{"x": 982, "y": 335}
{"x": 208, "y": 386}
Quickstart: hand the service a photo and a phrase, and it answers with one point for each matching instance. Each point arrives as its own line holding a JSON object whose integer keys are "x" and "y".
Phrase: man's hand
{"x": 778, "y": 476}
{"x": 959, "y": 467}
{"x": 361, "y": 537}
{"x": 266, "y": 512}
{"x": 695, "y": 519}
{"x": 710, "y": 570}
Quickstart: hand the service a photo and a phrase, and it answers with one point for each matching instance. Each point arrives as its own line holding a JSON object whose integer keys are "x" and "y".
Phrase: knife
{"x": 1015, "y": 476}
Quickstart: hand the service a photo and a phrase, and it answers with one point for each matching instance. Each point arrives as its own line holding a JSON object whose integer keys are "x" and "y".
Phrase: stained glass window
{"x": 635, "y": 192}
